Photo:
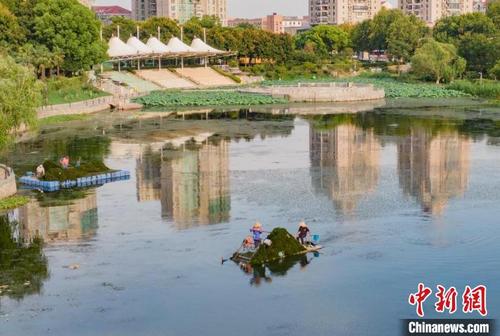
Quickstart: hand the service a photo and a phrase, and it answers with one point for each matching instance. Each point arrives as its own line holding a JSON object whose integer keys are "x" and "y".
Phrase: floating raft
{"x": 99, "y": 179}
{"x": 246, "y": 257}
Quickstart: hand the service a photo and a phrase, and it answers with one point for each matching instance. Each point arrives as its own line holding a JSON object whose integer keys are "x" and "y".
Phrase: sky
{"x": 244, "y": 8}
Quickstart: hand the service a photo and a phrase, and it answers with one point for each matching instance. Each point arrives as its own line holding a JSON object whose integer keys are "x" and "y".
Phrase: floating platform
{"x": 246, "y": 257}
{"x": 32, "y": 182}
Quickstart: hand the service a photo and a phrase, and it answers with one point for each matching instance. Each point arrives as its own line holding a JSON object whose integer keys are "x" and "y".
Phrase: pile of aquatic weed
{"x": 283, "y": 245}
{"x": 54, "y": 171}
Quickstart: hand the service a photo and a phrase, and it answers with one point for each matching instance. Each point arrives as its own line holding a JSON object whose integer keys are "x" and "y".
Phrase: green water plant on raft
{"x": 55, "y": 172}
{"x": 283, "y": 245}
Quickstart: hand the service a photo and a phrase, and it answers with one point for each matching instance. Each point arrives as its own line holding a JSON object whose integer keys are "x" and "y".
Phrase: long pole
{"x": 118, "y": 35}
{"x": 100, "y": 36}
{"x": 182, "y": 40}
{"x": 159, "y": 57}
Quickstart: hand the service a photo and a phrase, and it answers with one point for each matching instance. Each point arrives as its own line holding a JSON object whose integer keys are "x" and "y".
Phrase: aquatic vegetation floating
{"x": 283, "y": 245}
{"x": 205, "y": 98}
{"x": 54, "y": 171}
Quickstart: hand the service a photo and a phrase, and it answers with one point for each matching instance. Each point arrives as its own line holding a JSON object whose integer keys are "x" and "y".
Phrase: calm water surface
{"x": 397, "y": 198}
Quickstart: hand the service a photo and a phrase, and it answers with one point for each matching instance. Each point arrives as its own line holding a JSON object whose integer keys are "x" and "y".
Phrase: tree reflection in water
{"x": 23, "y": 266}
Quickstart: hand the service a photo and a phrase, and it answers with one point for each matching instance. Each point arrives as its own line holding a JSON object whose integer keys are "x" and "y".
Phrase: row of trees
{"x": 51, "y": 34}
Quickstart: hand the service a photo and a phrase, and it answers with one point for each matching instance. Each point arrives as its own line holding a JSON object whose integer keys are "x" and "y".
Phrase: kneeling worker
{"x": 303, "y": 232}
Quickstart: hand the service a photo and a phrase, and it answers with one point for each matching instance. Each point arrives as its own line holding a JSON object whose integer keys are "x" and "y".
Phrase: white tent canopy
{"x": 177, "y": 46}
{"x": 157, "y": 46}
{"x": 201, "y": 46}
{"x": 136, "y": 49}
{"x": 137, "y": 44}
{"x": 118, "y": 49}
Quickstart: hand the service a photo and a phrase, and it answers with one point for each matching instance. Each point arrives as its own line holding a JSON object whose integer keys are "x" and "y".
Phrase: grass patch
{"x": 13, "y": 202}
{"x": 227, "y": 74}
{"x": 486, "y": 88}
{"x": 69, "y": 90}
{"x": 205, "y": 98}
{"x": 62, "y": 118}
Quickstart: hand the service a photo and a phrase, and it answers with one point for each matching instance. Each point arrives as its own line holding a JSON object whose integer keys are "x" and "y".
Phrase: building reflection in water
{"x": 433, "y": 168}
{"x": 73, "y": 221}
{"x": 192, "y": 182}
{"x": 344, "y": 163}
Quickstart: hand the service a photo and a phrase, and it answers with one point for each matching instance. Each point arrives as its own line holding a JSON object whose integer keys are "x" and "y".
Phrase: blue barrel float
{"x": 33, "y": 183}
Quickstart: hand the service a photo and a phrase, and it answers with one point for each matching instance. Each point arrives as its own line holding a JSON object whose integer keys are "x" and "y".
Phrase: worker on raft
{"x": 303, "y": 232}
{"x": 257, "y": 233}
{"x": 248, "y": 242}
{"x": 40, "y": 171}
{"x": 64, "y": 161}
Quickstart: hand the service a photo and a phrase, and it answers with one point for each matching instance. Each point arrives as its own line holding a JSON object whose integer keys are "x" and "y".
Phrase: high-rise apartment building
{"x": 432, "y": 10}
{"x": 143, "y": 9}
{"x": 180, "y": 10}
{"x": 342, "y": 11}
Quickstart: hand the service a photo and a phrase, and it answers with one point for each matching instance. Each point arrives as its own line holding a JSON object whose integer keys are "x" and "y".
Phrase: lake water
{"x": 398, "y": 197}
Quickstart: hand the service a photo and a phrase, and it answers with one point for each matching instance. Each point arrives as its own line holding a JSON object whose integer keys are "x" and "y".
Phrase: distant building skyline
{"x": 433, "y": 10}
{"x": 338, "y": 12}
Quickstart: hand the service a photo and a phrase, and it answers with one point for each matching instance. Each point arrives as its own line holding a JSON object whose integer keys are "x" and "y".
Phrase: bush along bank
{"x": 205, "y": 98}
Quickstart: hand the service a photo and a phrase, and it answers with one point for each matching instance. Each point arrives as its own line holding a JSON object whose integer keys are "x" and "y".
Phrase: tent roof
{"x": 177, "y": 46}
{"x": 137, "y": 44}
{"x": 117, "y": 48}
{"x": 157, "y": 46}
{"x": 201, "y": 46}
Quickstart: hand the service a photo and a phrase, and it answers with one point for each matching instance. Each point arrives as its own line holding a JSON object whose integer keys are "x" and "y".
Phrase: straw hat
{"x": 257, "y": 225}
{"x": 302, "y": 224}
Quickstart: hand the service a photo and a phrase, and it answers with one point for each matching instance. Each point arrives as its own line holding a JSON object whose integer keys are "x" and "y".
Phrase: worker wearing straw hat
{"x": 303, "y": 232}
{"x": 257, "y": 233}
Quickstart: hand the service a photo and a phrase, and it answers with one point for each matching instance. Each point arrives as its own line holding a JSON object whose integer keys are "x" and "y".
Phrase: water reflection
{"x": 195, "y": 185}
{"x": 433, "y": 168}
{"x": 75, "y": 220}
{"x": 23, "y": 267}
{"x": 344, "y": 164}
{"x": 264, "y": 273}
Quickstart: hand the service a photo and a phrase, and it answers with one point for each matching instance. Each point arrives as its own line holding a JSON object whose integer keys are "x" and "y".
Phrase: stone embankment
{"x": 7, "y": 182}
{"x": 81, "y": 107}
{"x": 322, "y": 92}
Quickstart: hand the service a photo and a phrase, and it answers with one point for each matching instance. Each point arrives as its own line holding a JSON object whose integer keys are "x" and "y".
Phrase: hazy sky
{"x": 244, "y": 8}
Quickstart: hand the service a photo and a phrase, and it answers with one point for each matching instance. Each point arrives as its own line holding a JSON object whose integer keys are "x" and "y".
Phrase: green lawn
{"x": 69, "y": 90}
{"x": 62, "y": 118}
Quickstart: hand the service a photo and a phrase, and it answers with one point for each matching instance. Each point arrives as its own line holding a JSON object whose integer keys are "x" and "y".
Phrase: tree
{"x": 11, "y": 33}
{"x": 480, "y": 51}
{"x": 128, "y": 27}
{"x": 493, "y": 12}
{"x": 438, "y": 61}
{"x": 21, "y": 94}
{"x": 475, "y": 35}
{"x": 379, "y": 28}
{"x": 404, "y": 36}
{"x": 495, "y": 71}
{"x": 168, "y": 28}
{"x": 360, "y": 36}
{"x": 56, "y": 27}
{"x": 451, "y": 29}
{"x": 323, "y": 39}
